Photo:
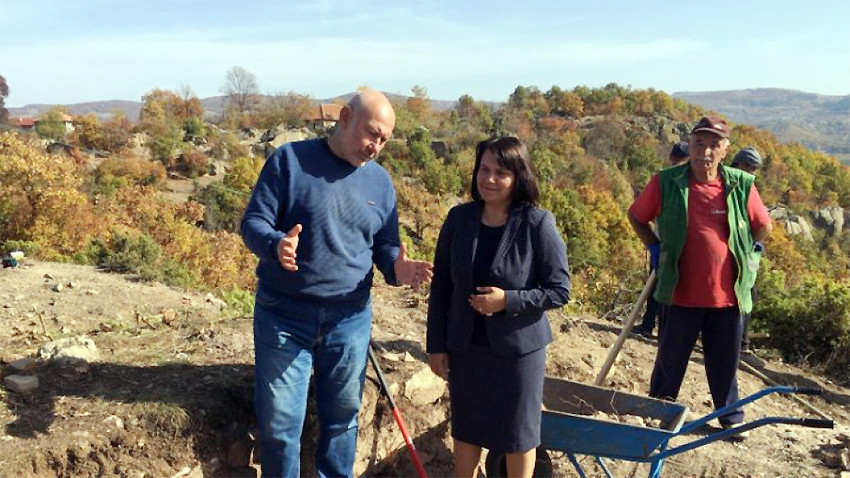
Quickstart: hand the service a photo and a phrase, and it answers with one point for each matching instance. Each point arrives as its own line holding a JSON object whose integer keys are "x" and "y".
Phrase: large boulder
{"x": 830, "y": 218}
{"x": 778, "y": 213}
{"x": 797, "y": 225}
{"x": 70, "y": 350}
{"x": 288, "y": 135}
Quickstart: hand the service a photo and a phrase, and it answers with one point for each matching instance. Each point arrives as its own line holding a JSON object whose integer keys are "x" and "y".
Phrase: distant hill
{"x": 103, "y": 109}
{"x": 213, "y": 107}
{"x": 819, "y": 122}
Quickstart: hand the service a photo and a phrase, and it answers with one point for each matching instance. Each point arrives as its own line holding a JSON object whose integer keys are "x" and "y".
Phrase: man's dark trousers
{"x": 721, "y": 332}
{"x": 652, "y": 311}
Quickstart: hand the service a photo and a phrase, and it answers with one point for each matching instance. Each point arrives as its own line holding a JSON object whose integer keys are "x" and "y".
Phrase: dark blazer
{"x": 530, "y": 265}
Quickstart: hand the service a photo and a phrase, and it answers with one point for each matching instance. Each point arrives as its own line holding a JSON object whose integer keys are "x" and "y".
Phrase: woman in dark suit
{"x": 500, "y": 263}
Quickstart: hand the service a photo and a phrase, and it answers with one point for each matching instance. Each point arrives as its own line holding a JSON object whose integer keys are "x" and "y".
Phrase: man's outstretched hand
{"x": 287, "y": 249}
{"x": 412, "y": 272}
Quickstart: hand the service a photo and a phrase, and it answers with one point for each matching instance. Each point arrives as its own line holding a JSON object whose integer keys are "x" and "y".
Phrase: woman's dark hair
{"x": 512, "y": 155}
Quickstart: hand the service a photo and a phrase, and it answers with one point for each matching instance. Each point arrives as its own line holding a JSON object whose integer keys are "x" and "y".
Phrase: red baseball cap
{"x": 712, "y": 124}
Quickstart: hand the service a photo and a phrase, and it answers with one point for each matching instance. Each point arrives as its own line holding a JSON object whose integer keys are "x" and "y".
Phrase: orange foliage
{"x": 783, "y": 255}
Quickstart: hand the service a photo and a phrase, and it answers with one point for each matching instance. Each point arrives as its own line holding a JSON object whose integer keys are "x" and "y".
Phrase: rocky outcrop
{"x": 797, "y": 225}
{"x": 831, "y": 219}
{"x": 794, "y": 223}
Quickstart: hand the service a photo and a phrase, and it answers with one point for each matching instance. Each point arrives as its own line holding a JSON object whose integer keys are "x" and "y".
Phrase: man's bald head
{"x": 374, "y": 104}
{"x": 365, "y": 125}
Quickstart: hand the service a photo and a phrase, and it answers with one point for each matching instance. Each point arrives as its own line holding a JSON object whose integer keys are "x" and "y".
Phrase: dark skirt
{"x": 496, "y": 400}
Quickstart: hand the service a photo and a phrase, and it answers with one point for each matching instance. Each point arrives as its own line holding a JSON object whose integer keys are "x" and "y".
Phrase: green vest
{"x": 673, "y": 230}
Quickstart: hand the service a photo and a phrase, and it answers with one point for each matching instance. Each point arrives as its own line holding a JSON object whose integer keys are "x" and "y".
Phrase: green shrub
{"x": 195, "y": 126}
{"x": 239, "y": 301}
{"x": 807, "y": 323}
{"x": 29, "y": 248}
{"x": 126, "y": 252}
{"x": 223, "y": 207}
{"x": 439, "y": 178}
{"x": 169, "y": 273}
{"x": 136, "y": 253}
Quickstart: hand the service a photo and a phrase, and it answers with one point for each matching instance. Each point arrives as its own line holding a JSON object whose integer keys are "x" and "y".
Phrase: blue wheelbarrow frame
{"x": 568, "y": 424}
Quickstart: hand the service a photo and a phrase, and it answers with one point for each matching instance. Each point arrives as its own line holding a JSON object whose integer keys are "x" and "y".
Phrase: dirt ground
{"x": 170, "y": 395}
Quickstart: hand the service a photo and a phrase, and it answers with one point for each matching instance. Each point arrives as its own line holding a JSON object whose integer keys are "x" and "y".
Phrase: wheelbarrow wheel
{"x": 497, "y": 467}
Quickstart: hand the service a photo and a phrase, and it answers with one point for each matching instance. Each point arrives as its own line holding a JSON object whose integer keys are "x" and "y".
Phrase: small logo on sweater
{"x": 718, "y": 211}
{"x": 371, "y": 203}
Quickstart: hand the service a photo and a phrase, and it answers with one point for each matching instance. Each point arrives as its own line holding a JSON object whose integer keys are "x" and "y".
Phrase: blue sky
{"x": 72, "y": 51}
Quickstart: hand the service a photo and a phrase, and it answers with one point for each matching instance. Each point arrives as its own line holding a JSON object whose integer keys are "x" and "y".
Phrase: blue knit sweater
{"x": 349, "y": 218}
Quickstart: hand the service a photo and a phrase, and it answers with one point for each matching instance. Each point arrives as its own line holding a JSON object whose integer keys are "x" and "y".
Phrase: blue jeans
{"x": 291, "y": 338}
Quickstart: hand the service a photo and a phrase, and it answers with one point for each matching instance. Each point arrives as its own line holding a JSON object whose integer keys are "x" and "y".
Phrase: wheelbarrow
{"x": 577, "y": 420}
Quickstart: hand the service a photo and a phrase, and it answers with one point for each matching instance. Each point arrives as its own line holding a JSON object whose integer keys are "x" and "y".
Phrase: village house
{"x": 27, "y": 123}
{"x": 325, "y": 116}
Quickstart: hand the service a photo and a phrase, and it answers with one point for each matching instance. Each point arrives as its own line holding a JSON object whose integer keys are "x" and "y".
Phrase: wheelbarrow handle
{"x": 808, "y": 390}
{"x": 817, "y": 423}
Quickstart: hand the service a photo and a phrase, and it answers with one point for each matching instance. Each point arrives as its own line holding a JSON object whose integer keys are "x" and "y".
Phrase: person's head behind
{"x": 748, "y": 159}
{"x": 365, "y": 125}
{"x": 678, "y": 154}
{"x": 708, "y": 145}
{"x": 512, "y": 157}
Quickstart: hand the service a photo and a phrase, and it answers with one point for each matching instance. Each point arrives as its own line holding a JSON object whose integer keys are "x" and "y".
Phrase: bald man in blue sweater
{"x": 322, "y": 213}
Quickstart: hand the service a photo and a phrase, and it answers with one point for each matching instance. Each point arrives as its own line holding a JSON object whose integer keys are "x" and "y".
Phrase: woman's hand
{"x": 439, "y": 364}
{"x": 488, "y": 300}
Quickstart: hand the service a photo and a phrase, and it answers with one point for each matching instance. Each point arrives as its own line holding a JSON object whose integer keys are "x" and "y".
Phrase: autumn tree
{"x": 87, "y": 132}
{"x": 530, "y": 100}
{"x": 110, "y": 135}
{"x": 189, "y": 105}
{"x": 475, "y": 113}
{"x": 161, "y": 118}
{"x": 414, "y": 112}
{"x": 40, "y": 198}
{"x": 4, "y": 92}
{"x": 608, "y": 100}
{"x": 564, "y": 103}
{"x": 289, "y": 109}
{"x": 116, "y": 132}
{"x": 418, "y": 104}
{"x": 51, "y": 125}
{"x": 241, "y": 89}
{"x": 225, "y": 202}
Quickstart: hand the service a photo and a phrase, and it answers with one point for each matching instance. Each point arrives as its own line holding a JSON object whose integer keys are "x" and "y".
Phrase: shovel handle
{"x": 408, "y": 440}
{"x": 624, "y": 334}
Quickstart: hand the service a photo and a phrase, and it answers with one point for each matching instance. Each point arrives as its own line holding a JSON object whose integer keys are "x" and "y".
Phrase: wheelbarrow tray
{"x": 568, "y": 423}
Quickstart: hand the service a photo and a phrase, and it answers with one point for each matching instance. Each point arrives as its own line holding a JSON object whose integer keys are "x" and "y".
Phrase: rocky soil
{"x": 165, "y": 388}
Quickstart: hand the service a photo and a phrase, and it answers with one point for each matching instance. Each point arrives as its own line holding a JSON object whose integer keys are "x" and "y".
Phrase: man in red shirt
{"x": 704, "y": 274}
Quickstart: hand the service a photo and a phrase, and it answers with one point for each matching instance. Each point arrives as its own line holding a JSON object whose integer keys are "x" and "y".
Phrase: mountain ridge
{"x": 820, "y": 122}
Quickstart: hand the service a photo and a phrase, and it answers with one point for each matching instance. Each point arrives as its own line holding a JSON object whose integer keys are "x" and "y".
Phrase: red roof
{"x": 330, "y": 112}
{"x": 326, "y": 112}
{"x": 25, "y": 122}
